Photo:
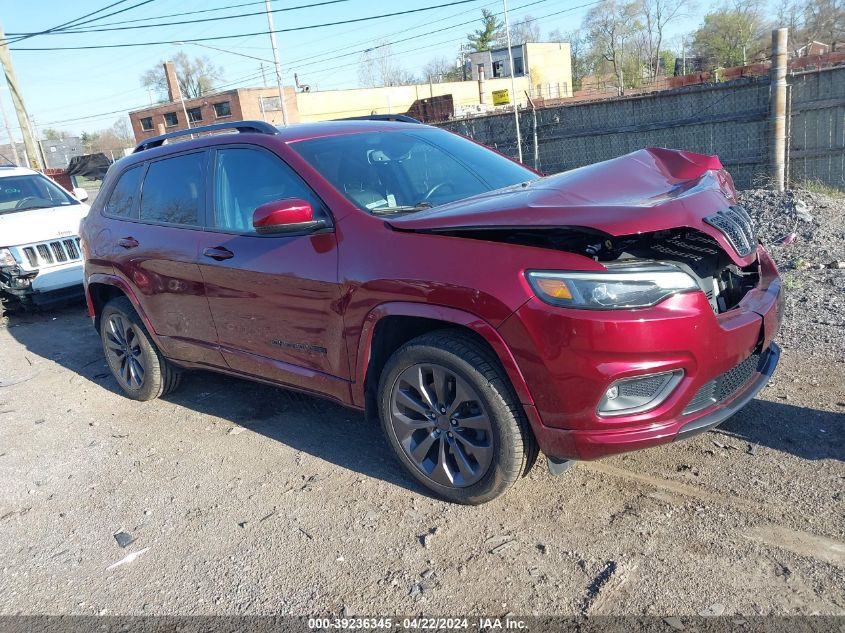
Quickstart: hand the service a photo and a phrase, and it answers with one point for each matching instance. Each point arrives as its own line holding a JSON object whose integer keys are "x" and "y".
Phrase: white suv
{"x": 40, "y": 254}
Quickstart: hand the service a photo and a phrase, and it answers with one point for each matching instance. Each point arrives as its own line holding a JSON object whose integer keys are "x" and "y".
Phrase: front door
{"x": 273, "y": 298}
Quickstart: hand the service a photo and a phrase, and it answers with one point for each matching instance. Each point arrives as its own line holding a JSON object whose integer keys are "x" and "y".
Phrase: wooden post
{"x": 778, "y": 107}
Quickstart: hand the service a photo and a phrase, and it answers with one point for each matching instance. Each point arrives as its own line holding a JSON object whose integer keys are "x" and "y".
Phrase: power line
{"x": 250, "y": 77}
{"x": 449, "y": 41}
{"x": 78, "y": 21}
{"x": 165, "y": 16}
{"x": 183, "y": 22}
{"x": 406, "y": 39}
{"x": 226, "y": 37}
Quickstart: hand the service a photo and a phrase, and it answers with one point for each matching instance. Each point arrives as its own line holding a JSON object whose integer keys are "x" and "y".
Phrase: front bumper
{"x": 570, "y": 357}
{"x": 43, "y": 286}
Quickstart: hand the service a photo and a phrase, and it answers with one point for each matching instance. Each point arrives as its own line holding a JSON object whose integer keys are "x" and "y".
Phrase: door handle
{"x": 218, "y": 252}
{"x": 127, "y": 242}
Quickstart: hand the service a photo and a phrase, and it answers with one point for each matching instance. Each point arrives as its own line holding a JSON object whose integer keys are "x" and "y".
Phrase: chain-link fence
{"x": 730, "y": 120}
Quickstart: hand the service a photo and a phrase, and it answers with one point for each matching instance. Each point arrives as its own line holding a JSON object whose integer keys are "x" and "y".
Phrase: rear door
{"x": 274, "y": 298}
{"x": 155, "y": 234}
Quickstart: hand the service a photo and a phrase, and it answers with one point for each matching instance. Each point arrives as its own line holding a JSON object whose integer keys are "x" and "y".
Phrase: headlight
{"x": 6, "y": 258}
{"x": 623, "y": 286}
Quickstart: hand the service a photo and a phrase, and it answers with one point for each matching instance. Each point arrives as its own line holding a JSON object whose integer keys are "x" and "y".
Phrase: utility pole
{"x": 513, "y": 81}
{"x": 263, "y": 76}
{"x": 39, "y": 143}
{"x": 778, "y": 106}
{"x": 276, "y": 62}
{"x": 9, "y": 134}
{"x": 17, "y": 101}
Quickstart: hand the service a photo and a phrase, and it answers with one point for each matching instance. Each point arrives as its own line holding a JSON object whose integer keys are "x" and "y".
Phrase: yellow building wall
{"x": 550, "y": 63}
{"x": 338, "y": 104}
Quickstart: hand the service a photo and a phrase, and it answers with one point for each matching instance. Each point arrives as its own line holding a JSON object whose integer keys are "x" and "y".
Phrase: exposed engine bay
{"x": 723, "y": 282}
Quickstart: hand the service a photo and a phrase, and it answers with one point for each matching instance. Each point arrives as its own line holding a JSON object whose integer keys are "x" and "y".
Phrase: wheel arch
{"x": 391, "y": 325}
{"x": 100, "y": 289}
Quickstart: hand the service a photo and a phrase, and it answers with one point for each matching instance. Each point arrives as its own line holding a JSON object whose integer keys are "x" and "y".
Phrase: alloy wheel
{"x": 442, "y": 425}
{"x": 123, "y": 346}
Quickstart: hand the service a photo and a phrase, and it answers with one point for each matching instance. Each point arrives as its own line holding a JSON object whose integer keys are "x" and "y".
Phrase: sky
{"x": 88, "y": 90}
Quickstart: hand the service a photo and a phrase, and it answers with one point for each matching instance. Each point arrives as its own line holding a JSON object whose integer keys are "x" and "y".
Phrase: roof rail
{"x": 256, "y": 127}
{"x": 401, "y": 118}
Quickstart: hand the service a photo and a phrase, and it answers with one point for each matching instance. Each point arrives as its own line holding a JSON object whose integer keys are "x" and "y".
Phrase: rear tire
{"x": 452, "y": 418}
{"x": 135, "y": 362}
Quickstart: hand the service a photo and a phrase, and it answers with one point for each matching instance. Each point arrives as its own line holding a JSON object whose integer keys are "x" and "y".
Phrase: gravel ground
{"x": 244, "y": 499}
{"x": 815, "y": 318}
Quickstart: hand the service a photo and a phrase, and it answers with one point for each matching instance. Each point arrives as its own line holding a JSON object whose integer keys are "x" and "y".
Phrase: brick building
{"x": 231, "y": 105}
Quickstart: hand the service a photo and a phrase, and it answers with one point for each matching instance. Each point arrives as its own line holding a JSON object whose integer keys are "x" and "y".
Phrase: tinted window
{"x": 122, "y": 199}
{"x": 222, "y": 109}
{"x": 173, "y": 190}
{"x": 381, "y": 170}
{"x": 247, "y": 178}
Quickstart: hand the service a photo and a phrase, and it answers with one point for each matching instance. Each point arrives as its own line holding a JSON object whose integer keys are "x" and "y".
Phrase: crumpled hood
{"x": 40, "y": 225}
{"x": 647, "y": 190}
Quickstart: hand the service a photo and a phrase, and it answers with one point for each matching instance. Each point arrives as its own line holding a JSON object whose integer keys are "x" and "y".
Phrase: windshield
{"x": 409, "y": 170}
{"x": 31, "y": 191}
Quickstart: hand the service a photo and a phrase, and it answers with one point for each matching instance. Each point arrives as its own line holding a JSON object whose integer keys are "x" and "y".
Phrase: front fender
{"x": 438, "y": 313}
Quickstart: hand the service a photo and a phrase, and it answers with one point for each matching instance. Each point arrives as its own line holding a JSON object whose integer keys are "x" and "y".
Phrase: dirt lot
{"x": 245, "y": 499}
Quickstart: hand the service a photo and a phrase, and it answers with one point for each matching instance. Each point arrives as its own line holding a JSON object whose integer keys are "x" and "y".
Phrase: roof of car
{"x": 13, "y": 170}
{"x": 303, "y": 131}
{"x": 160, "y": 146}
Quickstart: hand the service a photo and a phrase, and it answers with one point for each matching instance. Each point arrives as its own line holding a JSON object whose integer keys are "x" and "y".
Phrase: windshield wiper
{"x": 419, "y": 206}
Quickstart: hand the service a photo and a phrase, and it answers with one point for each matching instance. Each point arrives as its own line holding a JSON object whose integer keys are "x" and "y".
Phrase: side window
{"x": 173, "y": 190}
{"x": 121, "y": 202}
{"x": 247, "y": 178}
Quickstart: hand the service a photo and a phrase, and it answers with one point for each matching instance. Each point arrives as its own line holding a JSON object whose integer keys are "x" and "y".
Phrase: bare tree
{"x": 824, "y": 20}
{"x": 378, "y": 68}
{"x": 656, "y": 15}
{"x": 441, "y": 69}
{"x": 52, "y": 134}
{"x": 525, "y": 30}
{"x": 578, "y": 45}
{"x": 610, "y": 25}
{"x": 110, "y": 141}
{"x": 196, "y": 76}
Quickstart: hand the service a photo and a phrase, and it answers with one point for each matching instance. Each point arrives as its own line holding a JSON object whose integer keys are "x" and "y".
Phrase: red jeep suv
{"x": 481, "y": 311}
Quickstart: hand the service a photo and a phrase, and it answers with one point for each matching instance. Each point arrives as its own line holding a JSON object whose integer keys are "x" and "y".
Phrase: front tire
{"x": 452, "y": 418}
{"x": 135, "y": 361}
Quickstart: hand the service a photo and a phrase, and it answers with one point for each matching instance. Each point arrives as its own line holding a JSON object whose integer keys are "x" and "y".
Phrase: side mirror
{"x": 80, "y": 194}
{"x": 291, "y": 215}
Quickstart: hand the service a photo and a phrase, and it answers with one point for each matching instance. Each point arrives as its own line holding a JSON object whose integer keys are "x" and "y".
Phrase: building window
{"x": 194, "y": 114}
{"x": 269, "y": 104}
{"x": 170, "y": 119}
{"x": 518, "y": 69}
{"x": 222, "y": 109}
{"x": 147, "y": 123}
{"x": 499, "y": 69}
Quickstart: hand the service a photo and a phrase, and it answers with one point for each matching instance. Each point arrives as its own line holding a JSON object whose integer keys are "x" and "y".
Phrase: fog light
{"x": 638, "y": 394}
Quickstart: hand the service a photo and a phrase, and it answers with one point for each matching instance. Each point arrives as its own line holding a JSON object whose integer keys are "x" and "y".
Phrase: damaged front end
{"x": 15, "y": 282}
{"x": 720, "y": 278}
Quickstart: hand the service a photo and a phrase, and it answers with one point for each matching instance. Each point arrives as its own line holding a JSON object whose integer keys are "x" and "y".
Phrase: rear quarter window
{"x": 121, "y": 202}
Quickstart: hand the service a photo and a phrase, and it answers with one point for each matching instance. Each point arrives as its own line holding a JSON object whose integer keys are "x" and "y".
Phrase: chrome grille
{"x": 55, "y": 252}
{"x": 31, "y": 257}
{"x": 724, "y": 386}
{"x": 737, "y": 227}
